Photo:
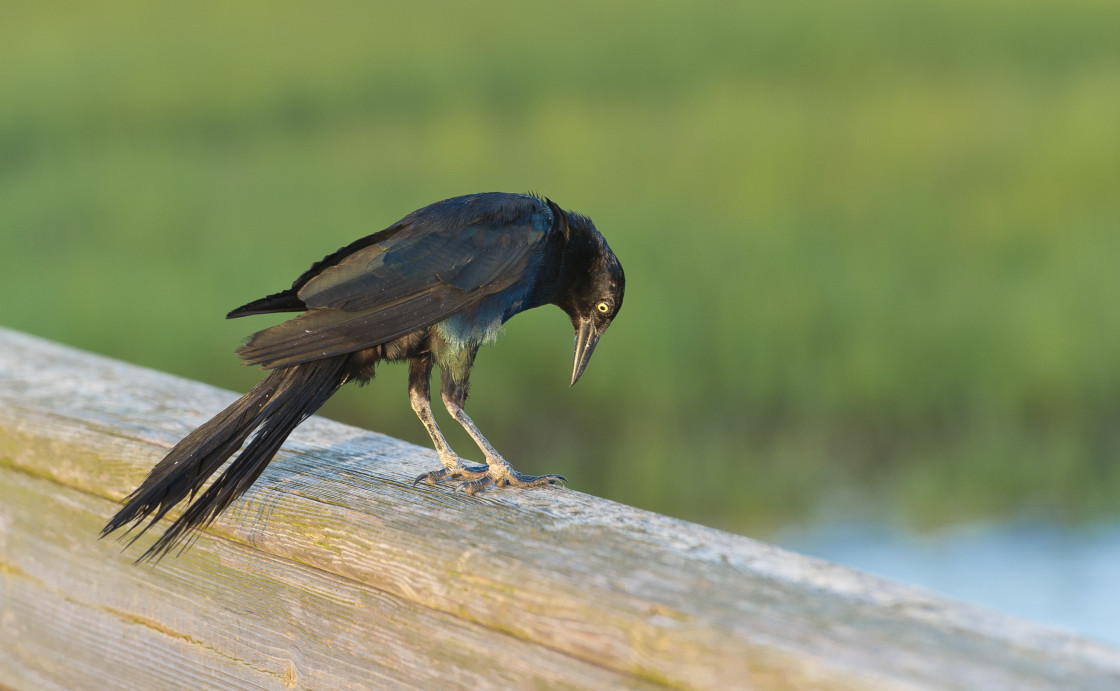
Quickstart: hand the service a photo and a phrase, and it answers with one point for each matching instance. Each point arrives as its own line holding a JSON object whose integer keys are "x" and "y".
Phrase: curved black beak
{"x": 586, "y": 338}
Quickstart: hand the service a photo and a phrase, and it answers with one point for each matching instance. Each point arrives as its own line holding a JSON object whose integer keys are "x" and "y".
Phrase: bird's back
{"x": 445, "y": 259}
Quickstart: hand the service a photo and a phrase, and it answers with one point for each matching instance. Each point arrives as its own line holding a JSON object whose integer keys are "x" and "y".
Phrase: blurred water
{"x": 1057, "y": 575}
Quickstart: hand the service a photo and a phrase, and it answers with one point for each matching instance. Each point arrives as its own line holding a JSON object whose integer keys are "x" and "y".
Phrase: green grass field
{"x": 871, "y": 247}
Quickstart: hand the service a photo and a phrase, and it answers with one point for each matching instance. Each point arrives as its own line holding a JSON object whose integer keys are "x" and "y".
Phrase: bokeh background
{"x": 871, "y": 247}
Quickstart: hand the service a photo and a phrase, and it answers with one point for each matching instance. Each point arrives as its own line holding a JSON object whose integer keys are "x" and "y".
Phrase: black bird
{"x": 429, "y": 289}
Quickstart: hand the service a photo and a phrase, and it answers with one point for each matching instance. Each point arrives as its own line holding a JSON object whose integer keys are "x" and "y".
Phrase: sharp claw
{"x": 432, "y": 477}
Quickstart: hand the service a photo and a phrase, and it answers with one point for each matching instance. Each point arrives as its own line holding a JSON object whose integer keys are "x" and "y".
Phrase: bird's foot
{"x": 454, "y": 471}
{"x": 502, "y": 474}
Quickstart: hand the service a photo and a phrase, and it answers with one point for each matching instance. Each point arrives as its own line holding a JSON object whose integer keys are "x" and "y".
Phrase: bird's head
{"x": 591, "y": 290}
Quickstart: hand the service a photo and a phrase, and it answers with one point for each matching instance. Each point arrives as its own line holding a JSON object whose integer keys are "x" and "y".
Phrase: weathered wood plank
{"x": 334, "y": 571}
{"x": 223, "y": 616}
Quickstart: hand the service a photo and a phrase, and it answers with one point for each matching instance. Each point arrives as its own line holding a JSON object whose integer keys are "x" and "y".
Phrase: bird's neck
{"x": 570, "y": 264}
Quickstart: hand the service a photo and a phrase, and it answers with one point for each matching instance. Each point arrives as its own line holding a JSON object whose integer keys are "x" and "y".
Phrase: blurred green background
{"x": 871, "y": 247}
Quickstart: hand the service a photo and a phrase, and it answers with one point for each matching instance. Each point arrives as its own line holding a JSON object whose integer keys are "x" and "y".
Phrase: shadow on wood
{"x": 334, "y": 572}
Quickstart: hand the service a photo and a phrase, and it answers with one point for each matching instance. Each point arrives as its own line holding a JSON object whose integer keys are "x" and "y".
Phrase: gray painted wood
{"x": 334, "y": 572}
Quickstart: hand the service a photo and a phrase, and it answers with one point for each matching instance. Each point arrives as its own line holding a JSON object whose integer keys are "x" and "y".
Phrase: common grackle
{"x": 429, "y": 289}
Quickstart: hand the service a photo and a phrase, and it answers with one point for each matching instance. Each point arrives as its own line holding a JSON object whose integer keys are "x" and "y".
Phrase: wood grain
{"x": 334, "y": 572}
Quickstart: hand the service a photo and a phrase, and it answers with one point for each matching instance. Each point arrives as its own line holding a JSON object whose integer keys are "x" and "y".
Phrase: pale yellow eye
{"x": 603, "y": 307}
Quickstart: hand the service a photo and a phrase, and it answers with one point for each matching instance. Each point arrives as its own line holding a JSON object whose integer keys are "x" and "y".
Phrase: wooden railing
{"x": 335, "y": 572}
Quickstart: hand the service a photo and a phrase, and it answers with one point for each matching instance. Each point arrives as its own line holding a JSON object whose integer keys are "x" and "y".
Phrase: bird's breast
{"x": 463, "y": 331}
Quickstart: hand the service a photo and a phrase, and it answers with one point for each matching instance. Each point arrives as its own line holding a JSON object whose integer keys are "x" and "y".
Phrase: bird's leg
{"x": 499, "y": 472}
{"x": 419, "y": 394}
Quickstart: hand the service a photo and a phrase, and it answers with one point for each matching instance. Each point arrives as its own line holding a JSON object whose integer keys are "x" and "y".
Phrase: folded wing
{"x": 435, "y": 262}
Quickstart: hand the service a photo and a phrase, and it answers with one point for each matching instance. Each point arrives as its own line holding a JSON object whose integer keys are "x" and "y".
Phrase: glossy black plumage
{"x": 430, "y": 289}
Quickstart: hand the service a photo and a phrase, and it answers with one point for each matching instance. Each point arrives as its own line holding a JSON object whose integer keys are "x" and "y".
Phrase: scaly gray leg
{"x": 499, "y": 472}
{"x": 419, "y": 394}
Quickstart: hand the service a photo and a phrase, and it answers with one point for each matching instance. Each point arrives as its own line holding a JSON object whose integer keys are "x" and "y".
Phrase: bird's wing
{"x": 441, "y": 261}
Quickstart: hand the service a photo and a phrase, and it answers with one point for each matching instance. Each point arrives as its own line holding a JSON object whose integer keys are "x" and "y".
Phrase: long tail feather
{"x": 273, "y": 408}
